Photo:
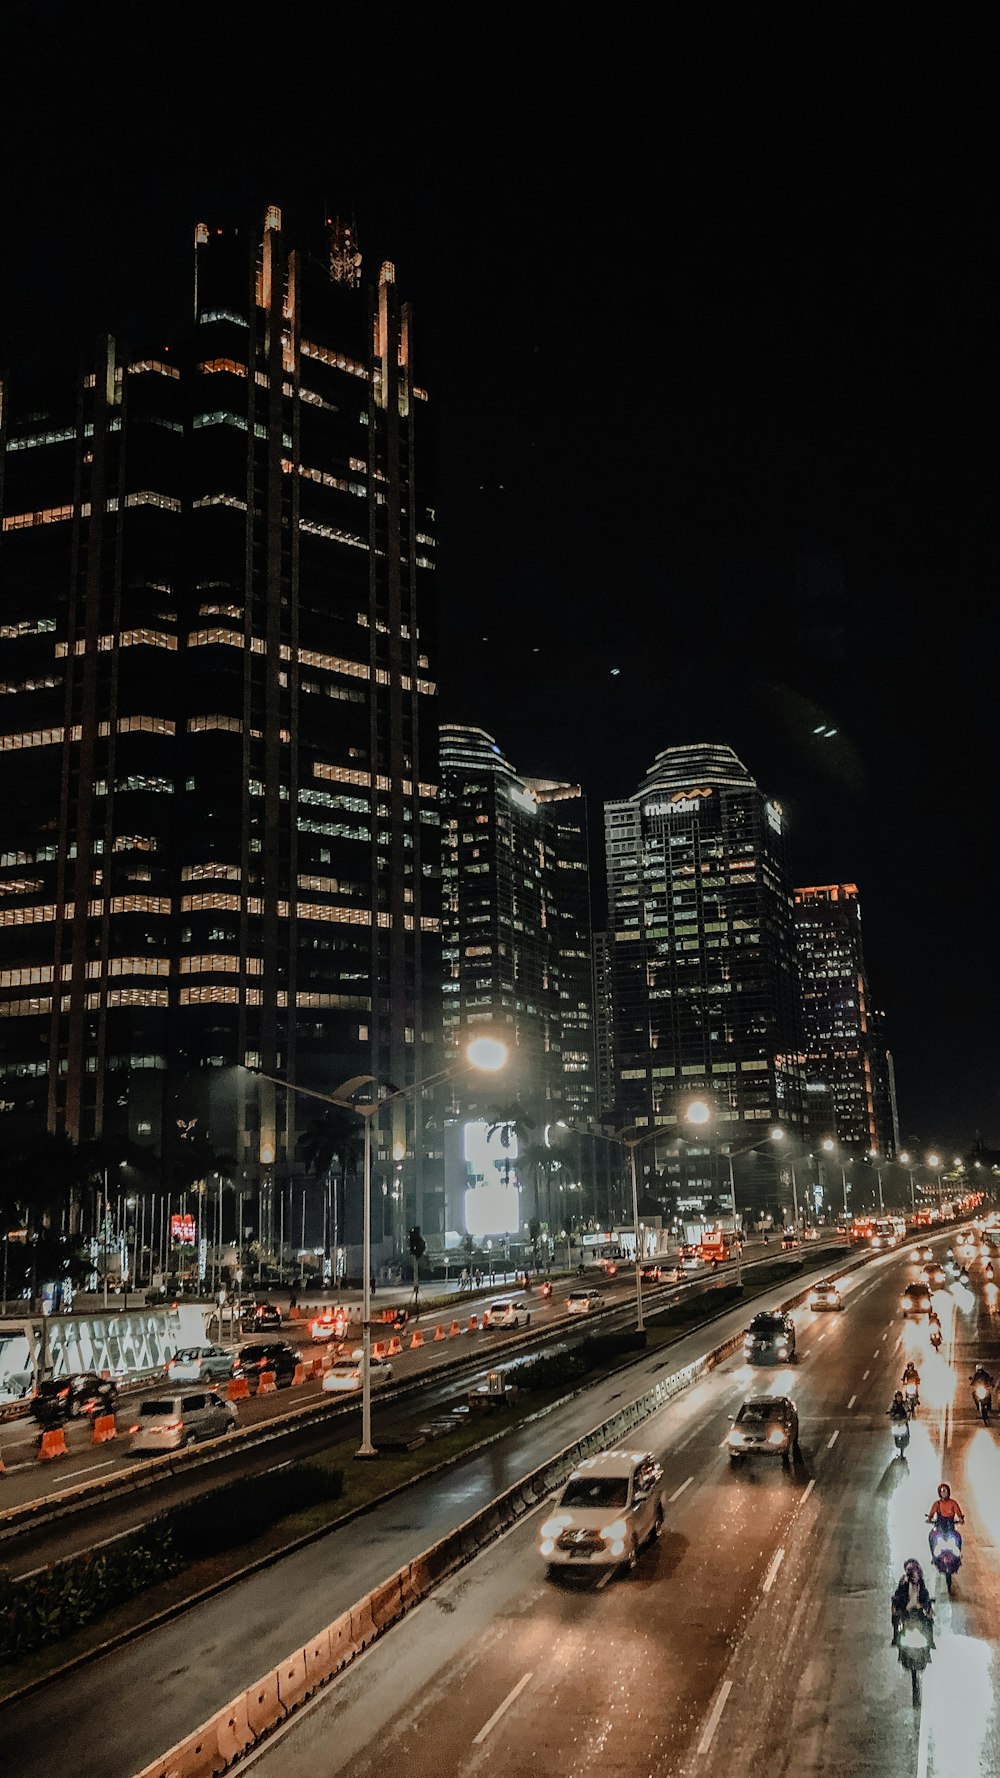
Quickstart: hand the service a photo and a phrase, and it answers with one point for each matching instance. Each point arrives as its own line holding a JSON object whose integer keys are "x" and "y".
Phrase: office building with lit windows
{"x": 218, "y": 737}
{"x": 703, "y": 970}
{"x": 842, "y": 1032}
{"x": 516, "y": 919}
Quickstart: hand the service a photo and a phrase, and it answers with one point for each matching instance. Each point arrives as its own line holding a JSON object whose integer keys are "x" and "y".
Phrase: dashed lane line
{"x": 852, "y": 1401}
{"x": 713, "y": 1721}
{"x": 679, "y": 1491}
{"x": 514, "y": 1692}
{"x": 831, "y": 1441}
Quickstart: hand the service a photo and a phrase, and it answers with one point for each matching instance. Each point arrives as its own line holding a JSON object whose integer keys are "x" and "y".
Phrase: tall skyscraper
{"x": 516, "y": 915}
{"x": 218, "y": 715}
{"x": 841, "y": 1030}
{"x": 604, "y": 1025}
{"x": 704, "y": 978}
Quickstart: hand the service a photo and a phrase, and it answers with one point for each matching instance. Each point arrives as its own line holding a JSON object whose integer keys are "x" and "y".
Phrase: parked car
{"x": 83, "y": 1393}
{"x": 766, "y": 1426}
{"x": 257, "y": 1317}
{"x": 200, "y": 1364}
{"x": 611, "y": 1505}
{"x": 267, "y": 1355}
{"x": 770, "y": 1338}
{"x": 825, "y": 1295}
{"x": 582, "y": 1302}
{"x": 508, "y": 1312}
{"x": 346, "y": 1374}
{"x": 168, "y": 1422}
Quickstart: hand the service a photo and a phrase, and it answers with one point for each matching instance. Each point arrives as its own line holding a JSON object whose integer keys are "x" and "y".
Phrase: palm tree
{"x": 512, "y": 1124}
{"x": 541, "y": 1161}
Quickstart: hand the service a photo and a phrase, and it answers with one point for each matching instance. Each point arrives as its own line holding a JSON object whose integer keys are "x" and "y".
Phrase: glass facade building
{"x": 842, "y": 1032}
{"x": 703, "y": 967}
{"x": 218, "y": 734}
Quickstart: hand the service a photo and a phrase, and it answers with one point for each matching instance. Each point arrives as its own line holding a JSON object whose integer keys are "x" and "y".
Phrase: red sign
{"x": 182, "y": 1229}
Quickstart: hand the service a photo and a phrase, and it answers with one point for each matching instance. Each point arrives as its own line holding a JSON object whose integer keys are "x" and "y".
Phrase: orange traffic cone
{"x": 439, "y": 1333}
{"x": 395, "y": 1347}
{"x": 417, "y": 1340}
{"x": 453, "y": 1330}
{"x": 473, "y": 1324}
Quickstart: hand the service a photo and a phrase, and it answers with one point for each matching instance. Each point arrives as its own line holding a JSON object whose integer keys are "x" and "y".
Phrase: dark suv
{"x": 770, "y": 1339}
{"x": 259, "y": 1317}
{"x": 766, "y": 1426}
{"x": 69, "y": 1398}
{"x": 267, "y": 1355}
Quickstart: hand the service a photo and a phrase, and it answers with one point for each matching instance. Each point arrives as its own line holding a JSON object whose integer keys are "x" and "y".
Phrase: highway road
{"x": 766, "y": 1597}
{"x": 755, "y": 1636}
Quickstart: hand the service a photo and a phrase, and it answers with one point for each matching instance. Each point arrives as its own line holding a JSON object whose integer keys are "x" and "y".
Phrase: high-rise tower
{"x": 844, "y": 1046}
{"x": 704, "y": 979}
{"x": 218, "y": 716}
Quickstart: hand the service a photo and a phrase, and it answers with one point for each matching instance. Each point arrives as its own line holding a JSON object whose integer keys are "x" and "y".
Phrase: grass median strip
{"x": 211, "y": 1542}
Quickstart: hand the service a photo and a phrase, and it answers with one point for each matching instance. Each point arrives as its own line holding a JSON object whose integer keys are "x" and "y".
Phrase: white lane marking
{"x": 899, "y": 1342}
{"x": 772, "y": 1573}
{"x": 923, "y": 1741}
{"x": 679, "y": 1491}
{"x": 875, "y": 1353}
{"x": 866, "y": 1376}
{"x": 713, "y": 1721}
{"x": 498, "y": 1712}
{"x": 68, "y": 1474}
{"x": 831, "y": 1441}
{"x": 605, "y": 1577}
{"x": 852, "y": 1401}
{"x": 687, "y": 1441}
{"x": 810, "y": 1485}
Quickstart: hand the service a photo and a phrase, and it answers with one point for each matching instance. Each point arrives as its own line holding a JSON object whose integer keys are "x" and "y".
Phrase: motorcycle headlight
{"x": 980, "y": 1391}
{"x": 913, "y": 1638}
{"x": 615, "y": 1532}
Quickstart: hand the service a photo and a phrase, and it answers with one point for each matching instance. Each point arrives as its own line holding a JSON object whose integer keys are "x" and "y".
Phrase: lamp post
{"x": 904, "y": 1161}
{"x": 935, "y": 1161}
{"x": 698, "y": 1112}
{"x": 874, "y": 1156}
{"x": 828, "y": 1146}
{"x": 485, "y": 1054}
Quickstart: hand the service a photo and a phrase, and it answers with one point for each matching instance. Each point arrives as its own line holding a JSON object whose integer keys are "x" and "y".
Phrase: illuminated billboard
{"x": 492, "y": 1205}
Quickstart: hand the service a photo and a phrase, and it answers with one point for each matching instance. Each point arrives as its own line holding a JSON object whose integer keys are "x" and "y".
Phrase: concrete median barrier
{"x": 233, "y": 1734}
{"x": 292, "y": 1683}
{"x": 318, "y": 1661}
{"x": 263, "y": 1705}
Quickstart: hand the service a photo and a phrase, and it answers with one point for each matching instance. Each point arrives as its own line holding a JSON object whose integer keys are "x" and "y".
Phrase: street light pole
{"x": 639, "y": 1323}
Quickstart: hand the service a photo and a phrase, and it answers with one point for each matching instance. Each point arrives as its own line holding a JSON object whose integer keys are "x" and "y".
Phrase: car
{"x": 915, "y": 1300}
{"x": 611, "y": 1505}
{"x": 257, "y": 1317}
{"x": 82, "y": 1394}
{"x": 925, "y": 1254}
{"x": 200, "y": 1364}
{"x": 267, "y": 1355}
{"x": 789, "y": 1240}
{"x": 346, "y": 1374}
{"x": 329, "y": 1324}
{"x": 581, "y": 1302}
{"x": 660, "y": 1274}
{"x": 934, "y": 1276}
{"x": 770, "y": 1338}
{"x": 766, "y": 1426}
{"x": 689, "y": 1259}
{"x": 168, "y": 1422}
{"x": 508, "y": 1312}
{"x": 825, "y": 1295}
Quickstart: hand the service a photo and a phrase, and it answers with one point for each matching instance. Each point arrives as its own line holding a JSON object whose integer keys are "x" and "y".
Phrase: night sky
{"x": 707, "y": 325}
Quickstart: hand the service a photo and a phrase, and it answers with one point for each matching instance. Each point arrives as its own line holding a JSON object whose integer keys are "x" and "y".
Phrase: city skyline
{"x": 809, "y": 424}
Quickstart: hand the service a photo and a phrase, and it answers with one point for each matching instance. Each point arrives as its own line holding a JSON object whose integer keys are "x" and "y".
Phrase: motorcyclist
{"x": 910, "y": 1599}
{"x": 963, "y": 1276}
{"x": 934, "y": 1321}
{"x": 911, "y": 1385}
{"x": 982, "y": 1375}
{"x": 988, "y": 1271}
{"x": 945, "y": 1515}
{"x": 899, "y": 1414}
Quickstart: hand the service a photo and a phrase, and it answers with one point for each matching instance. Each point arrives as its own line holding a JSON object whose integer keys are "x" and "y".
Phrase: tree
{"x": 331, "y": 1140}
{"x": 511, "y": 1123}
{"x": 541, "y": 1162}
{"x": 534, "y": 1230}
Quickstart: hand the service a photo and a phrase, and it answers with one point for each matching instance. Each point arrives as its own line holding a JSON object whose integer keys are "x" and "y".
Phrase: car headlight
{"x": 616, "y": 1532}
{"x": 776, "y": 1436}
{"x": 782, "y": 1351}
{"x": 735, "y": 1438}
{"x": 553, "y": 1526}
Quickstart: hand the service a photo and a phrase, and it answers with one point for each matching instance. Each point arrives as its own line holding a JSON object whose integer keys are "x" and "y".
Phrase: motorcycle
{"x": 545, "y": 1290}
{"x": 912, "y": 1398}
{"x": 936, "y": 1338}
{"x": 946, "y": 1552}
{"x": 913, "y": 1645}
{"x": 983, "y": 1398}
{"x": 900, "y": 1437}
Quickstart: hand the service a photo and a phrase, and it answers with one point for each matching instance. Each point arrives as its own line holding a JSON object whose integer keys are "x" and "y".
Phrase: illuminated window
{"x": 156, "y": 365}
{"x": 201, "y": 873}
{"x": 22, "y": 886}
{"x": 49, "y": 515}
{"x": 26, "y": 978}
{"x": 342, "y": 774}
{"x": 165, "y": 502}
{"x": 336, "y": 360}
{"x": 22, "y": 1009}
{"x": 214, "y": 995}
{"x": 221, "y": 500}
{"x": 212, "y": 365}
{"x": 198, "y": 724}
{"x": 136, "y": 904}
{"x": 205, "y": 638}
{"x": 42, "y": 737}
{"x": 138, "y": 997}
{"x": 36, "y": 626}
{"x": 34, "y": 916}
{"x": 213, "y": 963}
{"x": 332, "y": 532}
{"x": 224, "y": 315}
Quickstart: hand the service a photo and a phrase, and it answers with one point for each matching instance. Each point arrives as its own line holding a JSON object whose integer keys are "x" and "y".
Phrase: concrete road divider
{"x": 237, "y": 1389}
{"x": 104, "y": 1428}
{"x": 52, "y": 1444}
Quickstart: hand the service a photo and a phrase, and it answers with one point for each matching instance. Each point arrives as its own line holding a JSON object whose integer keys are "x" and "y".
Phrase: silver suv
{"x": 610, "y": 1506}
{"x": 167, "y": 1422}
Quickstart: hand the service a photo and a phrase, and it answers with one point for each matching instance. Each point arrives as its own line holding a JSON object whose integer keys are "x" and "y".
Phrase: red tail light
{"x": 134, "y": 1428}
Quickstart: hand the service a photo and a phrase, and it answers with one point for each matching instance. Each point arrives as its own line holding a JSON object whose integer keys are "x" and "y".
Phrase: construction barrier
{"x": 295, "y": 1313}
{"x": 395, "y": 1347}
{"x": 453, "y": 1330}
{"x": 417, "y": 1339}
{"x": 300, "y": 1374}
{"x": 104, "y": 1428}
{"x": 237, "y": 1389}
{"x": 267, "y": 1384}
{"x": 439, "y": 1333}
{"x": 378, "y": 1350}
{"x": 52, "y": 1444}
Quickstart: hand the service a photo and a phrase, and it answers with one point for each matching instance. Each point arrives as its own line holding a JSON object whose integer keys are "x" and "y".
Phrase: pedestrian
{"x": 463, "y": 1283}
